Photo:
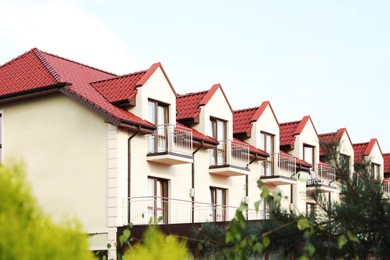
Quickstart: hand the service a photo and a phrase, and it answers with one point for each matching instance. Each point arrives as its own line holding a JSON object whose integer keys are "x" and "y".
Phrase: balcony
{"x": 278, "y": 169}
{"x": 230, "y": 158}
{"x": 170, "y": 145}
{"x": 161, "y": 210}
{"x": 321, "y": 179}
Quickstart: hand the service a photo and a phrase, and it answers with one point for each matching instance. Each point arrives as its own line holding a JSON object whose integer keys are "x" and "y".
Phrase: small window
{"x": 310, "y": 209}
{"x": 218, "y": 132}
{"x": 267, "y": 144}
{"x": 375, "y": 170}
{"x": 345, "y": 162}
{"x": 158, "y": 115}
{"x": 218, "y": 201}
{"x": 308, "y": 154}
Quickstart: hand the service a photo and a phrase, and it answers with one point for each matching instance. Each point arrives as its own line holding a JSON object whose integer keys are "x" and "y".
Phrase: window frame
{"x": 269, "y": 163}
{"x": 222, "y": 147}
{"x": 375, "y": 170}
{"x": 310, "y": 209}
{"x": 216, "y": 205}
{"x": 161, "y": 134}
{"x": 159, "y": 199}
{"x": 308, "y": 146}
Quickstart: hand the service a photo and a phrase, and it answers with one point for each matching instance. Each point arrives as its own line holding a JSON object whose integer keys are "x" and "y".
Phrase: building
{"x": 113, "y": 150}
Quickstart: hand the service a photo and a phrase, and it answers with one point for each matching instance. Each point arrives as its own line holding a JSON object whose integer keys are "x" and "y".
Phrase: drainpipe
{"x": 247, "y": 182}
{"x": 193, "y": 182}
{"x": 129, "y": 171}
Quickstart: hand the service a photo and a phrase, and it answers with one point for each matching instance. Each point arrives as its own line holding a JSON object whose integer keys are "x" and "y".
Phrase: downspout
{"x": 247, "y": 183}
{"x": 129, "y": 172}
{"x": 193, "y": 182}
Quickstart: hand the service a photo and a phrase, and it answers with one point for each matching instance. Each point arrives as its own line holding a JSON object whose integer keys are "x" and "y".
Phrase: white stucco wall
{"x": 64, "y": 147}
{"x": 376, "y": 157}
{"x": 156, "y": 88}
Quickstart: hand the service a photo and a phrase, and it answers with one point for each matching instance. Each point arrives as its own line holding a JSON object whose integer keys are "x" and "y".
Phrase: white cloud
{"x": 61, "y": 27}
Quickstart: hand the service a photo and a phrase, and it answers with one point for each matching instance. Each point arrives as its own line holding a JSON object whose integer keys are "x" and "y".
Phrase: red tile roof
{"x": 188, "y": 105}
{"x": 386, "y": 158}
{"x": 299, "y": 162}
{"x": 242, "y": 122}
{"x": 125, "y": 87}
{"x": 198, "y": 136}
{"x": 243, "y": 118}
{"x": 36, "y": 69}
{"x": 119, "y": 88}
{"x": 252, "y": 149}
{"x": 364, "y": 149}
{"x": 333, "y": 137}
{"x": 289, "y": 130}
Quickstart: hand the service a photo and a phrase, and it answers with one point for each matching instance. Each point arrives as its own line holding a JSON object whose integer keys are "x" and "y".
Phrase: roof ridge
{"x": 119, "y": 77}
{"x": 16, "y": 58}
{"x": 364, "y": 143}
{"x": 76, "y": 62}
{"x": 47, "y": 65}
{"x": 192, "y": 93}
{"x": 246, "y": 109}
{"x": 329, "y": 133}
{"x": 291, "y": 122}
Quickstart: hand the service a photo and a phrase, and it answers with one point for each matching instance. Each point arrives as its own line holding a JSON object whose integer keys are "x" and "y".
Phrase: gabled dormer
{"x": 260, "y": 127}
{"x": 337, "y": 145}
{"x": 369, "y": 154}
{"x": 209, "y": 112}
{"x": 300, "y": 139}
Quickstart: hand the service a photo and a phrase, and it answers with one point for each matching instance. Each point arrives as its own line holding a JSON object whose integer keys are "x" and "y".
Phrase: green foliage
{"x": 25, "y": 232}
{"x": 356, "y": 227}
{"x": 158, "y": 246}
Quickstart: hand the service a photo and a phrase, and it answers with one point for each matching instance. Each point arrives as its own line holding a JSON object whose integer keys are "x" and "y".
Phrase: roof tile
{"x": 187, "y": 105}
{"x": 386, "y": 158}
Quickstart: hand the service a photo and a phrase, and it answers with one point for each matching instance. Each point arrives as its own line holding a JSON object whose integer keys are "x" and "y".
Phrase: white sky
{"x": 328, "y": 59}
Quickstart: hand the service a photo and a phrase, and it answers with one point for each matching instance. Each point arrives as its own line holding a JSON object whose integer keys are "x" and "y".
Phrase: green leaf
{"x": 310, "y": 249}
{"x": 266, "y": 241}
{"x": 264, "y": 192}
{"x": 243, "y": 243}
{"x": 342, "y": 240}
{"x": 124, "y": 237}
{"x": 257, "y": 205}
{"x": 303, "y": 223}
{"x": 258, "y": 248}
{"x": 108, "y": 245}
{"x": 303, "y": 258}
{"x": 352, "y": 237}
{"x": 259, "y": 184}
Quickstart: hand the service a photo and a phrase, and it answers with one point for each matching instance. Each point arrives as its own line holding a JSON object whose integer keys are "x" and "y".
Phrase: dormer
{"x": 337, "y": 145}
{"x": 300, "y": 139}
{"x": 209, "y": 112}
{"x": 370, "y": 155}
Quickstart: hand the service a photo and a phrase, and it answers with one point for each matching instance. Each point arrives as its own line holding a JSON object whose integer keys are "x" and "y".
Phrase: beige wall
{"x": 377, "y": 157}
{"x": 64, "y": 147}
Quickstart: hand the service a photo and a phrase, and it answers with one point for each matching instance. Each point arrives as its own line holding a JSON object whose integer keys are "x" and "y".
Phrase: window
{"x": 345, "y": 162}
{"x": 158, "y": 202}
{"x": 267, "y": 206}
{"x": 218, "y": 201}
{"x": 375, "y": 170}
{"x": 310, "y": 209}
{"x": 308, "y": 154}
{"x": 267, "y": 144}
{"x": 158, "y": 115}
{"x": 218, "y": 132}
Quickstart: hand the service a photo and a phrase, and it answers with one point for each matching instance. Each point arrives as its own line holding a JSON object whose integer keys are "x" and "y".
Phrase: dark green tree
{"x": 356, "y": 227}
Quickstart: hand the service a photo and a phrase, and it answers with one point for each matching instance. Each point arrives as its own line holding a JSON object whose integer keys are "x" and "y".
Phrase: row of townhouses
{"x": 113, "y": 150}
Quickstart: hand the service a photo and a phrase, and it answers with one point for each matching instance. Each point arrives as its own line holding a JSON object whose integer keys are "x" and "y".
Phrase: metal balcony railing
{"x": 230, "y": 152}
{"x": 279, "y": 165}
{"x": 323, "y": 175}
{"x": 163, "y": 210}
{"x": 170, "y": 139}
